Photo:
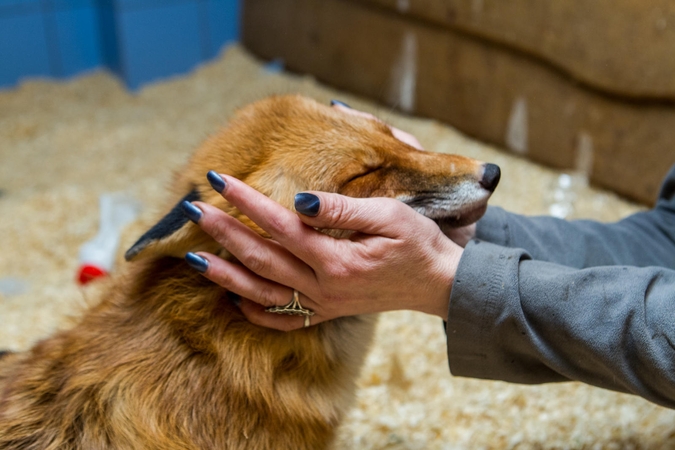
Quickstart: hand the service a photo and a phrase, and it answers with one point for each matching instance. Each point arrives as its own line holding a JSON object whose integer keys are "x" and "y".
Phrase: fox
{"x": 165, "y": 360}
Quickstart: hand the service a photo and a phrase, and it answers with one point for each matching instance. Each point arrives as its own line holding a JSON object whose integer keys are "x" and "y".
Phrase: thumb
{"x": 462, "y": 235}
{"x": 378, "y": 216}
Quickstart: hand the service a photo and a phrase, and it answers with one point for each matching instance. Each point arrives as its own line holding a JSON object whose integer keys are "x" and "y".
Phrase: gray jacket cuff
{"x": 486, "y": 277}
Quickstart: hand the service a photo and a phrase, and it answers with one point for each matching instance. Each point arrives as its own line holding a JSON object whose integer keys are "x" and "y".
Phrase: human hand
{"x": 401, "y": 135}
{"x": 462, "y": 235}
{"x": 397, "y": 258}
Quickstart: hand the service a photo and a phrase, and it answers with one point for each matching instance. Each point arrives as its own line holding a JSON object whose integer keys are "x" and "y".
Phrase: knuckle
{"x": 276, "y": 224}
{"x": 266, "y": 296}
{"x": 216, "y": 231}
{"x": 332, "y": 298}
{"x": 337, "y": 272}
{"x": 338, "y": 209}
{"x": 394, "y": 208}
{"x": 373, "y": 263}
{"x": 257, "y": 261}
{"x": 222, "y": 278}
{"x": 333, "y": 303}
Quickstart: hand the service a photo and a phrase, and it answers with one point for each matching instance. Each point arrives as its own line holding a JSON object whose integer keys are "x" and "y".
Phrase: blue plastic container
{"x": 139, "y": 40}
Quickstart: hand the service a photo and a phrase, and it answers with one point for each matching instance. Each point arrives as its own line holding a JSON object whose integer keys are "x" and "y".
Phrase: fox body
{"x": 166, "y": 361}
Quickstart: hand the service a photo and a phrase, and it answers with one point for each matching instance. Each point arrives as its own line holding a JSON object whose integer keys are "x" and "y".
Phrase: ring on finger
{"x": 294, "y": 308}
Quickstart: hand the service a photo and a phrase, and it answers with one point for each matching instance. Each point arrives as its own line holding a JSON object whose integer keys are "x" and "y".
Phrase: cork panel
{"x": 623, "y": 47}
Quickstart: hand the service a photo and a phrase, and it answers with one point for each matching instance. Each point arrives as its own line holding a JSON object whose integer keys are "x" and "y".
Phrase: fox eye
{"x": 366, "y": 171}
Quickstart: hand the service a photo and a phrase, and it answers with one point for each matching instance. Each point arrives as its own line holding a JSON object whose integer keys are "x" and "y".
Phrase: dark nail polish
{"x": 197, "y": 262}
{"x": 338, "y": 102}
{"x": 191, "y": 211}
{"x": 307, "y": 204}
{"x": 216, "y": 181}
{"x": 234, "y": 298}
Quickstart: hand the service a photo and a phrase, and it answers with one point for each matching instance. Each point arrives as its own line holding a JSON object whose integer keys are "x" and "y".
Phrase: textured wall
{"x": 493, "y": 91}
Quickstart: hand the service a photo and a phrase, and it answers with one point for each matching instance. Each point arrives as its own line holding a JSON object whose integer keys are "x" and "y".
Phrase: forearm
{"x": 518, "y": 320}
{"x": 638, "y": 240}
{"x": 643, "y": 239}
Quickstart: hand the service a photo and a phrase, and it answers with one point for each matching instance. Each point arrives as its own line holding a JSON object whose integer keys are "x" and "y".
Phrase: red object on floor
{"x": 90, "y": 272}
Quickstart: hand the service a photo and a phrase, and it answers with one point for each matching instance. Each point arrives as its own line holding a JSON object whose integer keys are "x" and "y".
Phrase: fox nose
{"x": 491, "y": 175}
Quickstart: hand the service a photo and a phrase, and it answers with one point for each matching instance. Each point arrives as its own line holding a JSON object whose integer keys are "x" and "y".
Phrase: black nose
{"x": 491, "y": 177}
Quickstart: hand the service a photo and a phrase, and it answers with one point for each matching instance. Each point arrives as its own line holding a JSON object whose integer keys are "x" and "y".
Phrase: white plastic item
{"x": 567, "y": 188}
{"x": 97, "y": 256}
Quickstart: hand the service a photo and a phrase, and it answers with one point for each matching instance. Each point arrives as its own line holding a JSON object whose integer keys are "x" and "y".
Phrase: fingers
{"x": 256, "y": 293}
{"x": 263, "y": 257}
{"x": 283, "y": 225}
{"x": 256, "y": 314}
{"x": 243, "y": 282}
{"x": 351, "y": 111}
{"x": 379, "y": 216}
{"x": 406, "y": 138}
{"x": 398, "y": 134}
{"x": 460, "y": 236}
{"x": 374, "y": 216}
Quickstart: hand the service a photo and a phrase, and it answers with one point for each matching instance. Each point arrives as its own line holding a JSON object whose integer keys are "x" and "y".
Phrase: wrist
{"x": 437, "y": 302}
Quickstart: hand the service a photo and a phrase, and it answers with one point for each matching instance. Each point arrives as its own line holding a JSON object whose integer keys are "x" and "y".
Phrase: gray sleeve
{"x": 558, "y": 301}
{"x": 643, "y": 239}
{"x": 515, "y": 319}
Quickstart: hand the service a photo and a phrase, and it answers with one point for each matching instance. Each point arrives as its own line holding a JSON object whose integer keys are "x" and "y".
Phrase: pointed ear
{"x": 173, "y": 235}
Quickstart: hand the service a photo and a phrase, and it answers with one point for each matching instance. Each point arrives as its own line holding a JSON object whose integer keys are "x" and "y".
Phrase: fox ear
{"x": 173, "y": 235}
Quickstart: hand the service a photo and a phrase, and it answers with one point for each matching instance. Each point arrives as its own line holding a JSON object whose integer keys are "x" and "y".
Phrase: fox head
{"x": 289, "y": 144}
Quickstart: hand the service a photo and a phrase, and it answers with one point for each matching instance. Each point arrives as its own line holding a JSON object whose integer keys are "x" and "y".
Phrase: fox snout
{"x": 468, "y": 199}
{"x": 449, "y": 189}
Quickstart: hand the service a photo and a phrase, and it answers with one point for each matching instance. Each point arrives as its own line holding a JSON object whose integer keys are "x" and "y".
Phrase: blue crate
{"x": 17, "y": 6}
{"x": 158, "y": 41}
{"x": 221, "y": 28}
{"x": 23, "y": 41}
{"x": 139, "y": 40}
{"x": 76, "y": 33}
{"x": 159, "y": 38}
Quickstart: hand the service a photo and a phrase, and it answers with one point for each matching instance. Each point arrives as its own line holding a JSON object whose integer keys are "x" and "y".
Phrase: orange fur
{"x": 165, "y": 361}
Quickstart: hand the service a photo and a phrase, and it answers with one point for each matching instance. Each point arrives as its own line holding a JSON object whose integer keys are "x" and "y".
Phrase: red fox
{"x": 165, "y": 361}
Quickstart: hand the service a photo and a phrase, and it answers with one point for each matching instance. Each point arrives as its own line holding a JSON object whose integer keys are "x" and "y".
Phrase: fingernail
{"x": 307, "y": 204}
{"x": 216, "y": 181}
{"x": 339, "y": 103}
{"x": 191, "y": 211}
{"x": 234, "y": 298}
{"x": 197, "y": 262}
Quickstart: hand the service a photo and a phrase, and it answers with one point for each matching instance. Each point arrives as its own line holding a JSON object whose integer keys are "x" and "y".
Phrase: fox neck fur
{"x": 166, "y": 361}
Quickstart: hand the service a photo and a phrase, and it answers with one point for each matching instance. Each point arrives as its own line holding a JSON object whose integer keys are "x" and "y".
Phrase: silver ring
{"x": 306, "y": 321}
{"x": 294, "y": 308}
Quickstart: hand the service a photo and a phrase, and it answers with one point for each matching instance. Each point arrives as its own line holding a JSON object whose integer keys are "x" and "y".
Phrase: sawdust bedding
{"x": 63, "y": 144}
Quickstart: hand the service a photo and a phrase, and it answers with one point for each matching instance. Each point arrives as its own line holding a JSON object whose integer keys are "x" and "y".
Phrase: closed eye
{"x": 368, "y": 171}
